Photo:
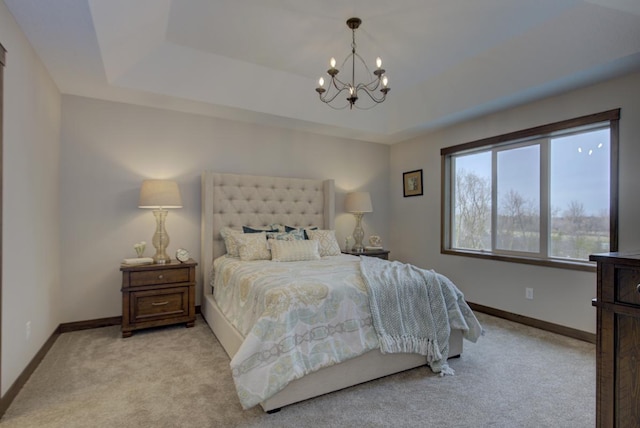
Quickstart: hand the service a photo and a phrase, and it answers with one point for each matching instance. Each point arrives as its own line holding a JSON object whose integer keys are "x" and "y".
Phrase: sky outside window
{"x": 580, "y": 172}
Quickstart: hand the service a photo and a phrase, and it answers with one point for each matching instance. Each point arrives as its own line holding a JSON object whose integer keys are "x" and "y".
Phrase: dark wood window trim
{"x": 611, "y": 116}
{"x": 606, "y": 116}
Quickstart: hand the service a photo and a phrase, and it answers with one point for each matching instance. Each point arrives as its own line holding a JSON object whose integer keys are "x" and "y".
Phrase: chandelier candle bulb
{"x": 321, "y": 82}
{"x": 378, "y": 62}
{"x": 332, "y": 62}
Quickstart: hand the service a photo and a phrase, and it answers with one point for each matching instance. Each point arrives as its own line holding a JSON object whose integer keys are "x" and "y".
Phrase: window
{"x": 545, "y": 195}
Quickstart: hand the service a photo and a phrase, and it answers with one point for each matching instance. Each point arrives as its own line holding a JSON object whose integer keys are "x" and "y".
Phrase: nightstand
{"x": 156, "y": 295}
{"x": 381, "y": 254}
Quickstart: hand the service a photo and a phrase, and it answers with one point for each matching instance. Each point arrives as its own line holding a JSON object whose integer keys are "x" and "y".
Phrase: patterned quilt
{"x": 296, "y": 317}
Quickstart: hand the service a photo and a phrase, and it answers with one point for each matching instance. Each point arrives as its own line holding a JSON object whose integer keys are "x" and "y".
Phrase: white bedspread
{"x": 296, "y": 317}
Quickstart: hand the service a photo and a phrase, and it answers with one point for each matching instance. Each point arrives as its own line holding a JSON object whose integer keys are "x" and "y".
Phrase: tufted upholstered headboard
{"x": 235, "y": 200}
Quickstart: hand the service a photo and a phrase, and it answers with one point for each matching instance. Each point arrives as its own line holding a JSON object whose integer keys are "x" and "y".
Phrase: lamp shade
{"x": 160, "y": 194}
{"x": 358, "y": 202}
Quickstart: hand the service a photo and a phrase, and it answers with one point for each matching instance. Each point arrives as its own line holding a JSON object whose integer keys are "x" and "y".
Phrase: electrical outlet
{"x": 28, "y": 330}
{"x": 528, "y": 293}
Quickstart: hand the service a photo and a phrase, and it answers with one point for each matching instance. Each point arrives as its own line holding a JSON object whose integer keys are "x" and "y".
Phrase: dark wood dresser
{"x": 618, "y": 340}
{"x": 158, "y": 294}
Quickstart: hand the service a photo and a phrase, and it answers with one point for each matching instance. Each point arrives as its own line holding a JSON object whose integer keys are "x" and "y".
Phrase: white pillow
{"x": 230, "y": 242}
{"x": 327, "y": 241}
{"x": 294, "y": 251}
{"x": 253, "y": 246}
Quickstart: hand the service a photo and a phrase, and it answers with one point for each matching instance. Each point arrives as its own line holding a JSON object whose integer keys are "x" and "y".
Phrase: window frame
{"x": 518, "y": 139}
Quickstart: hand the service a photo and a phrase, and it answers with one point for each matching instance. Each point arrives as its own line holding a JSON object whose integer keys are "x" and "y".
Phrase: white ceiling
{"x": 259, "y": 60}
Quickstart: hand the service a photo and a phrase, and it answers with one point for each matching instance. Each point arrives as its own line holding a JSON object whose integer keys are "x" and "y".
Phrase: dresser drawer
{"x": 164, "y": 303}
{"x": 158, "y": 276}
{"x": 627, "y": 281}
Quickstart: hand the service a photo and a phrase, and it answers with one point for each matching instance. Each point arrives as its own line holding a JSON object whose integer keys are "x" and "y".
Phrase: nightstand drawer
{"x": 627, "y": 285}
{"x": 165, "y": 303}
{"x": 158, "y": 276}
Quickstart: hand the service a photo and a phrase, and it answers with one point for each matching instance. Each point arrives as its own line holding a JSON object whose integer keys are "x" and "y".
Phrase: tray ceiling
{"x": 259, "y": 60}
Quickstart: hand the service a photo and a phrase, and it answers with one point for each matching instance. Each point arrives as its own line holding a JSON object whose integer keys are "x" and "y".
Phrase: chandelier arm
{"x": 325, "y": 100}
{"x": 364, "y": 63}
{"x": 342, "y": 86}
{"x": 338, "y": 108}
{"x": 374, "y": 79}
{"x": 326, "y": 97}
{"x": 371, "y": 86}
{"x": 376, "y": 100}
{"x": 365, "y": 108}
{"x": 345, "y": 60}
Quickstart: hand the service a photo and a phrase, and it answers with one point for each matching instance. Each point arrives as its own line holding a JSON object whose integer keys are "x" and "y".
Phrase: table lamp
{"x": 160, "y": 195}
{"x": 358, "y": 203}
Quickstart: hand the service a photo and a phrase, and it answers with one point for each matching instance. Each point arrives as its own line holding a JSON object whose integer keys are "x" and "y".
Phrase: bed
{"x": 233, "y": 201}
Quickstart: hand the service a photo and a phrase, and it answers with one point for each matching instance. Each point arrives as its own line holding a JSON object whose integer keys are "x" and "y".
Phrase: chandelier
{"x": 377, "y": 81}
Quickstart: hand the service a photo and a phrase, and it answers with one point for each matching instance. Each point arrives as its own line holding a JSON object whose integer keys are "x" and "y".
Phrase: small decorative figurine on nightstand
{"x": 139, "y": 247}
{"x": 347, "y": 247}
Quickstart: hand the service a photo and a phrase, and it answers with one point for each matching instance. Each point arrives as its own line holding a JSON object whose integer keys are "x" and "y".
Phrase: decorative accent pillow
{"x": 229, "y": 236}
{"x": 278, "y": 227}
{"x": 327, "y": 241}
{"x": 294, "y": 235}
{"x": 253, "y": 246}
{"x": 294, "y": 251}
{"x": 304, "y": 229}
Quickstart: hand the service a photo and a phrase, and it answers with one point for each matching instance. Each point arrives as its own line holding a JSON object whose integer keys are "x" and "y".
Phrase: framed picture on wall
{"x": 412, "y": 183}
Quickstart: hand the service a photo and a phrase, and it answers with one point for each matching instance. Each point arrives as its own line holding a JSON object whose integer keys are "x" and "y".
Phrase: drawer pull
{"x": 159, "y": 303}
{"x": 160, "y": 276}
{"x": 638, "y": 288}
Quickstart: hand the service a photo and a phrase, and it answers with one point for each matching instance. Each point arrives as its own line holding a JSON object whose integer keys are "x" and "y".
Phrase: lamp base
{"x": 358, "y": 234}
{"x": 160, "y": 238}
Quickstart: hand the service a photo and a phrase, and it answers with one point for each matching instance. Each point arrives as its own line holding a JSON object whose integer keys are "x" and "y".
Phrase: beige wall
{"x": 30, "y": 248}
{"x": 109, "y": 148}
{"x": 560, "y": 296}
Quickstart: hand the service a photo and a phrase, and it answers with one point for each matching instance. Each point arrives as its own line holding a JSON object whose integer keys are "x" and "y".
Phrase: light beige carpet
{"x": 515, "y": 376}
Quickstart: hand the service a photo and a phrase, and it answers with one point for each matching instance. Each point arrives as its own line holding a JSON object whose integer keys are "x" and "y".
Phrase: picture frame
{"x": 412, "y": 183}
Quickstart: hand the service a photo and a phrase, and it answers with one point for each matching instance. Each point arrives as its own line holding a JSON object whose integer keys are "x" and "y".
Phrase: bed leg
{"x": 272, "y": 411}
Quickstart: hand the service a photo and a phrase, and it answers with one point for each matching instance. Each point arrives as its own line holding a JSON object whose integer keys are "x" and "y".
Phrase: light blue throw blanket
{"x": 415, "y": 309}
